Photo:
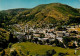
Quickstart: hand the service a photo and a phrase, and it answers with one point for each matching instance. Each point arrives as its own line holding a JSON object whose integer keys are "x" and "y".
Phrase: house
{"x": 75, "y": 42}
{"x": 78, "y": 36}
{"x": 51, "y": 39}
{"x": 41, "y": 31}
{"x": 46, "y": 30}
{"x": 60, "y": 33}
{"x": 31, "y": 30}
{"x": 64, "y": 26}
{"x": 26, "y": 28}
{"x": 77, "y": 26}
{"x": 38, "y": 30}
{"x": 68, "y": 26}
{"x": 37, "y": 38}
{"x": 72, "y": 26}
{"x": 36, "y": 35}
{"x": 50, "y": 35}
{"x": 60, "y": 39}
{"x": 51, "y": 30}
{"x": 35, "y": 31}
{"x": 19, "y": 33}
{"x": 20, "y": 36}
{"x": 28, "y": 37}
{"x": 44, "y": 39}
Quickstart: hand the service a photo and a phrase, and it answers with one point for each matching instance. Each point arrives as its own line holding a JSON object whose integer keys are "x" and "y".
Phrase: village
{"x": 49, "y": 34}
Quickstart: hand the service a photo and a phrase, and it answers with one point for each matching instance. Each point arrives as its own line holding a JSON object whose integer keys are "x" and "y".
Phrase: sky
{"x": 11, "y": 4}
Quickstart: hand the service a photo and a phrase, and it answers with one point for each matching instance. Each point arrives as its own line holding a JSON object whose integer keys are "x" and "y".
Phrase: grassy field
{"x": 38, "y": 49}
{"x": 78, "y": 53}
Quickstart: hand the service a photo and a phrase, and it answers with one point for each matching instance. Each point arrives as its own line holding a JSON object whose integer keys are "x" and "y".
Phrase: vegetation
{"x": 6, "y": 38}
{"x": 54, "y": 13}
{"x": 27, "y": 48}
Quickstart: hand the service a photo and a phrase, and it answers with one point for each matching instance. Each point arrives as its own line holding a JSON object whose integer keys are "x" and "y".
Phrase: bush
{"x": 14, "y": 53}
{"x": 27, "y": 52}
{"x": 61, "y": 54}
{"x": 50, "y": 52}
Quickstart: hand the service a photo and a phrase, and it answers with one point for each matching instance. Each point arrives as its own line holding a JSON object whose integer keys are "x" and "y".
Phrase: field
{"x": 38, "y": 49}
{"x": 78, "y": 53}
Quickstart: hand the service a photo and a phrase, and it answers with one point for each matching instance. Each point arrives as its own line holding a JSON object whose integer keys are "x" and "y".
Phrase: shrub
{"x": 10, "y": 44}
{"x": 50, "y": 52}
{"x": 61, "y": 54}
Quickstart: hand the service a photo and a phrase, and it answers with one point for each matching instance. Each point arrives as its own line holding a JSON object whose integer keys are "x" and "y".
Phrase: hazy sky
{"x": 10, "y": 4}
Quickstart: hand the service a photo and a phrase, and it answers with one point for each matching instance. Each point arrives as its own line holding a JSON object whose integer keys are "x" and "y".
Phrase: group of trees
{"x": 5, "y": 41}
{"x": 69, "y": 42}
{"x": 59, "y": 28}
{"x": 54, "y": 43}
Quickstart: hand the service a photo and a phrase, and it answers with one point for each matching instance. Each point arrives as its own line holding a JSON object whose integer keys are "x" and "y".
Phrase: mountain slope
{"x": 7, "y": 15}
{"x": 54, "y": 13}
{"x": 79, "y": 10}
{"x": 14, "y": 11}
{"x": 48, "y": 13}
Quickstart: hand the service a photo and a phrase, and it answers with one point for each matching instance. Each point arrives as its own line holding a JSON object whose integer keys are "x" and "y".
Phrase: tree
{"x": 56, "y": 42}
{"x": 11, "y": 37}
{"x": 21, "y": 53}
{"x": 35, "y": 40}
{"x": 51, "y": 42}
{"x": 59, "y": 28}
{"x": 14, "y": 53}
{"x": 10, "y": 44}
{"x": 79, "y": 42}
{"x": 40, "y": 42}
{"x": 47, "y": 40}
{"x": 61, "y": 54}
{"x": 66, "y": 40}
{"x": 3, "y": 53}
{"x": 74, "y": 46}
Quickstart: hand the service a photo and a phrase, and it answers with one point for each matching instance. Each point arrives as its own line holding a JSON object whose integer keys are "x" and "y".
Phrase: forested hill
{"x": 7, "y": 15}
{"x": 53, "y": 13}
{"x": 79, "y": 10}
{"x": 15, "y": 11}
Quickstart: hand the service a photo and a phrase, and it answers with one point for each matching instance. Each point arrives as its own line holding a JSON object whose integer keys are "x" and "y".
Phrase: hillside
{"x": 14, "y": 21}
{"x": 48, "y": 13}
{"x": 14, "y": 11}
{"x": 4, "y": 37}
{"x": 79, "y": 10}
{"x": 54, "y": 13}
{"x": 36, "y": 49}
{"x": 7, "y": 15}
